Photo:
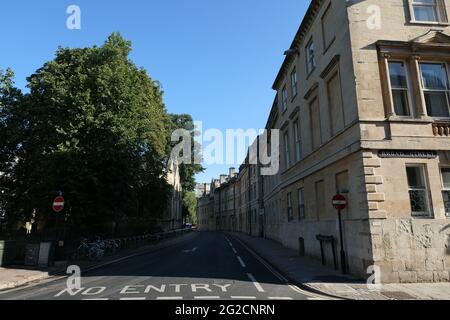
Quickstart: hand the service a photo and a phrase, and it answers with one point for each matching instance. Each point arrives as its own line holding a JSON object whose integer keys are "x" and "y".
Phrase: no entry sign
{"x": 58, "y": 204}
{"x": 339, "y": 202}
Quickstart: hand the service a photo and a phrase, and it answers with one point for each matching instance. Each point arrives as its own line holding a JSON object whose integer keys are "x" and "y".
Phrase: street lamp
{"x": 291, "y": 52}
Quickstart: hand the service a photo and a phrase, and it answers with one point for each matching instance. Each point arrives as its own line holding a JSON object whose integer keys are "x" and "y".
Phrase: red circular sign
{"x": 58, "y": 204}
{"x": 339, "y": 202}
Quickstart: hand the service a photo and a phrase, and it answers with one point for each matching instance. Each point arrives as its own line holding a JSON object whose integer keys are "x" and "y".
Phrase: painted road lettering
{"x": 131, "y": 290}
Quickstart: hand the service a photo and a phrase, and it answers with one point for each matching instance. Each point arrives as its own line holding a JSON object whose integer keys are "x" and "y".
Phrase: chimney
{"x": 223, "y": 178}
{"x": 232, "y": 172}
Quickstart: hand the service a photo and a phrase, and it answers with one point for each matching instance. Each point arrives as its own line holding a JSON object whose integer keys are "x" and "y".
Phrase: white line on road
{"x": 255, "y": 283}
{"x": 135, "y": 298}
{"x": 242, "y": 298}
{"x": 282, "y": 278}
{"x": 241, "y": 262}
{"x": 207, "y": 298}
{"x": 234, "y": 250}
{"x": 169, "y": 298}
{"x": 97, "y": 299}
{"x": 280, "y": 298}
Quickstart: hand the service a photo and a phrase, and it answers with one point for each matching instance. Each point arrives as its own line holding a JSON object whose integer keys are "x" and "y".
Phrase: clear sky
{"x": 216, "y": 59}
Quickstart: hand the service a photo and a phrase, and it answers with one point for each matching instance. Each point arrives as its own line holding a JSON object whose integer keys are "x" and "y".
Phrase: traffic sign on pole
{"x": 339, "y": 202}
{"x": 58, "y": 204}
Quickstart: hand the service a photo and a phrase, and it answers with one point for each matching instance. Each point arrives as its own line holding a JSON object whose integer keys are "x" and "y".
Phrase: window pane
{"x": 437, "y": 104}
{"x": 415, "y": 177}
{"x": 446, "y": 197}
{"x": 401, "y": 104}
{"x": 301, "y": 203}
{"x": 419, "y": 201}
{"x": 434, "y": 76}
{"x": 425, "y": 13}
{"x": 397, "y": 74}
{"x": 446, "y": 177}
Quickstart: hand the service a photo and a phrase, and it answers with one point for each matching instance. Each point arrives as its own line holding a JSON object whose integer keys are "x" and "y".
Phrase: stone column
{"x": 390, "y": 111}
{"x": 417, "y": 87}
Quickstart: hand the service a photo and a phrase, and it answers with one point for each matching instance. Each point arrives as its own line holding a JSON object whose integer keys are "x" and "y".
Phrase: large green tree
{"x": 94, "y": 126}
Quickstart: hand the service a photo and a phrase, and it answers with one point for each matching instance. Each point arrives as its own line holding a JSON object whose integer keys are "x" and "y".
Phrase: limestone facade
{"x": 363, "y": 108}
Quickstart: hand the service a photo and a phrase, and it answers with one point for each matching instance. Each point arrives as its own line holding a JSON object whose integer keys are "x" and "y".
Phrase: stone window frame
{"x": 296, "y": 129}
{"x": 333, "y": 70}
{"x": 423, "y": 90}
{"x": 310, "y": 58}
{"x": 424, "y": 172}
{"x": 287, "y": 149}
{"x": 444, "y": 189}
{"x": 409, "y": 81}
{"x": 289, "y": 206}
{"x": 301, "y": 204}
{"x": 326, "y": 45}
{"x": 441, "y": 12}
{"x": 413, "y": 54}
{"x": 284, "y": 98}
{"x": 314, "y": 96}
{"x": 294, "y": 83}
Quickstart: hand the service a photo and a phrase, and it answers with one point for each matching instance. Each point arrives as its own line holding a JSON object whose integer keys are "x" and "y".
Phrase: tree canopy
{"x": 94, "y": 127}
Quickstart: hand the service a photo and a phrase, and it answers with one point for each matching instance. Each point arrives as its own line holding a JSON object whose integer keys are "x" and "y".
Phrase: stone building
{"x": 363, "y": 108}
{"x": 173, "y": 216}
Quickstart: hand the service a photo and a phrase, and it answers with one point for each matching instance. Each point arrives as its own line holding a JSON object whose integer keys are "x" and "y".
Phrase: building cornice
{"x": 307, "y": 21}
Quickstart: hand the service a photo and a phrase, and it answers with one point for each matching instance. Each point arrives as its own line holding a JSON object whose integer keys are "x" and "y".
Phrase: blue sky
{"x": 216, "y": 60}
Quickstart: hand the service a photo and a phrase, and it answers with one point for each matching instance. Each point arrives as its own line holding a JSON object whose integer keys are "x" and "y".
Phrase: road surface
{"x": 202, "y": 266}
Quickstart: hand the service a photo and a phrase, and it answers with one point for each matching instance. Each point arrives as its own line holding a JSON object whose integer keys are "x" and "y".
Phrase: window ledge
{"x": 430, "y": 23}
{"x": 411, "y": 119}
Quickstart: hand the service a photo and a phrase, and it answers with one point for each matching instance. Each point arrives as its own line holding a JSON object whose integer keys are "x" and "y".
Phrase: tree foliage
{"x": 94, "y": 126}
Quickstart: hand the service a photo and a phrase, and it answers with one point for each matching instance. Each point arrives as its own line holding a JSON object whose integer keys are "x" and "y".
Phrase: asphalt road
{"x": 203, "y": 266}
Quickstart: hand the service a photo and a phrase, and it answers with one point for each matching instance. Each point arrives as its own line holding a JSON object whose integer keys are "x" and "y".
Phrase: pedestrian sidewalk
{"x": 16, "y": 276}
{"x": 312, "y": 275}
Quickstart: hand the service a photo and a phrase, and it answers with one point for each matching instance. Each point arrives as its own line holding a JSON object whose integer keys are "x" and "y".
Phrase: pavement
{"x": 197, "y": 266}
{"x": 311, "y": 275}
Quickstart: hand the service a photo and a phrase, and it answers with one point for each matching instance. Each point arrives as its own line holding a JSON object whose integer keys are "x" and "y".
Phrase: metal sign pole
{"x": 343, "y": 258}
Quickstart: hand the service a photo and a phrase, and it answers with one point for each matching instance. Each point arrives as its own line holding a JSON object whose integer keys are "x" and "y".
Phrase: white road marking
{"x": 241, "y": 262}
{"x": 93, "y": 299}
{"x": 280, "y": 298}
{"x": 234, "y": 250}
{"x": 207, "y": 298}
{"x": 242, "y": 298}
{"x": 280, "y": 277}
{"x": 169, "y": 298}
{"x": 315, "y": 299}
{"x": 135, "y": 298}
{"x": 255, "y": 283}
